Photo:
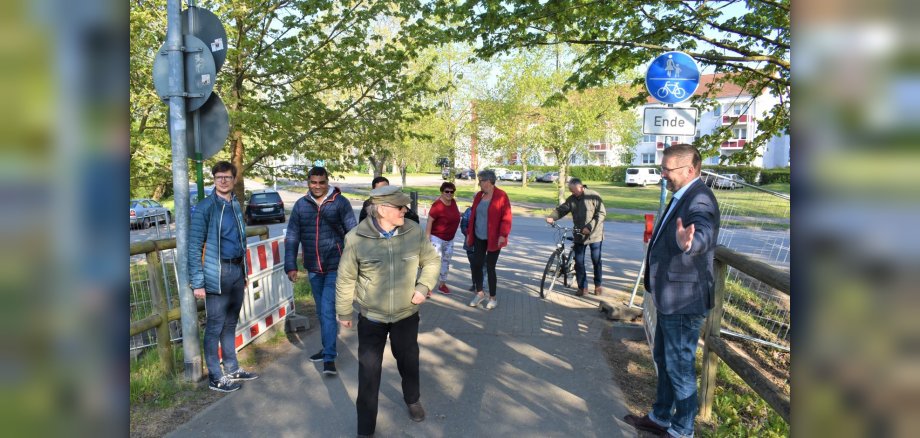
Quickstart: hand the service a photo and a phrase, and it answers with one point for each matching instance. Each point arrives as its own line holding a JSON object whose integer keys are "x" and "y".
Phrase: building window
{"x": 739, "y": 133}
{"x": 648, "y": 138}
{"x": 717, "y": 111}
{"x": 648, "y": 158}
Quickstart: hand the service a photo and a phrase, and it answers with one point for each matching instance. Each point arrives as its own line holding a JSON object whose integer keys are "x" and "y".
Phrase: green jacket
{"x": 587, "y": 211}
{"x": 381, "y": 274}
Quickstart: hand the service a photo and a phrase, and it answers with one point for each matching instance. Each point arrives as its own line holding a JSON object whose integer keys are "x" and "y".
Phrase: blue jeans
{"x": 223, "y": 312}
{"x": 580, "y": 275}
{"x": 675, "y": 404}
{"x": 323, "y": 288}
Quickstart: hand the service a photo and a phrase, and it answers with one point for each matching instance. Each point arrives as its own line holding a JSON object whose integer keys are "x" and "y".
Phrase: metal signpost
{"x": 184, "y": 76}
{"x": 671, "y": 78}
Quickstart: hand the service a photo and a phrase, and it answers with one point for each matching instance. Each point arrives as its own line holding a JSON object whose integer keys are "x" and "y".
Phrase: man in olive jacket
{"x": 588, "y": 213}
{"x": 379, "y": 270}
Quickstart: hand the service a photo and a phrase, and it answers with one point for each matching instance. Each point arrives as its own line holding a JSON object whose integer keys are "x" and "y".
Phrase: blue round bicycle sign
{"x": 672, "y": 77}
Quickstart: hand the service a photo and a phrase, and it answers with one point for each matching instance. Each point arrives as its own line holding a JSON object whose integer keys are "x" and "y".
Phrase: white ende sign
{"x": 670, "y": 121}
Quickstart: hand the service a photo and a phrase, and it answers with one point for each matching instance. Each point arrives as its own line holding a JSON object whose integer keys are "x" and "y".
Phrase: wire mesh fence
{"x": 141, "y": 298}
{"x": 755, "y": 222}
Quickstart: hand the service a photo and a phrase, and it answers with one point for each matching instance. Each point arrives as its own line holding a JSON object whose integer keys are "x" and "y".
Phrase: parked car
{"x": 264, "y": 205}
{"x": 193, "y": 196}
{"x": 549, "y": 177}
{"x": 145, "y": 212}
{"x": 728, "y": 181}
{"x": 500, "y": 172}
{"x": 511, "y": 175}
{"x": 642, "y": 176}
{"x": 532, "y": 175}
{"x": 466, "y": 174}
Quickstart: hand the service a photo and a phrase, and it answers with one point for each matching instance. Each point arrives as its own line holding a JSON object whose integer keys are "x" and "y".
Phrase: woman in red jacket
{"x": 487, "y": 233}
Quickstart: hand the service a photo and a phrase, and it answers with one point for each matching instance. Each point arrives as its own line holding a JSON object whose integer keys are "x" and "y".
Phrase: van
{"x": 642, "y": 176}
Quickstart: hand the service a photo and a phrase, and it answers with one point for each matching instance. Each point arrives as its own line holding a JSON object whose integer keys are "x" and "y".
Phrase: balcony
{"x": 733, "y": 145}
{"x": 660, "y": 145}
{"x": 728, "y": 120}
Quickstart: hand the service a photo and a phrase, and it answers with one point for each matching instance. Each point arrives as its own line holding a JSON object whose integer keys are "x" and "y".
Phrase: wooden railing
{"x": 152, "y": 248}
{"x": 715, "y": 348}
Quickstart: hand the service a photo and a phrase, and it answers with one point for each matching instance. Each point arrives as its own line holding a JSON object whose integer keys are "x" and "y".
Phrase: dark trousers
{"x": 676, "y": 338}
{"x": 372, "y": 338}
{"x": 580, "y": 275}
{"x": 223, "y": 312}
{"x": 481, "y": 258}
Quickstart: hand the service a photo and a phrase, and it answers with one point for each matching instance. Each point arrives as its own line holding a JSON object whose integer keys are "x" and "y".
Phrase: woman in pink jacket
{"x": 487, "y": 233}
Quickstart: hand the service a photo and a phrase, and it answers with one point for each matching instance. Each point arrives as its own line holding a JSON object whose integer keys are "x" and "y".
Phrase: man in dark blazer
{"x": 679, "y": 278}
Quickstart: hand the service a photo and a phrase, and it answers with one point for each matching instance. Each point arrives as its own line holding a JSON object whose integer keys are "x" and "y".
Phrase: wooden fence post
{"x": 711, "y": 330}
{"x": 161, "y": 307}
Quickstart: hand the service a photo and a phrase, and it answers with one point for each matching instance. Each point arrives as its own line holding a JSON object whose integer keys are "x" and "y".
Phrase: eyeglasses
{"x": 223, "y": 178}
{"x": 402, "y": 208}
{"x": 665, "y": 169}
{"x": 449, "y": 192}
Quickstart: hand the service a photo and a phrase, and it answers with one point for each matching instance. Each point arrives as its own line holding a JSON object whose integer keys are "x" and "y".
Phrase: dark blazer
{"x": 683, "y": 283}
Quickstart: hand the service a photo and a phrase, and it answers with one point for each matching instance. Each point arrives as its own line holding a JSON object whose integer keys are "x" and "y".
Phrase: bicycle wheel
{"x": 662, "y": 92}
{"x": 568, "y": 269}
{"x": 550, "y": 274}
{"x": 679, "y": 92}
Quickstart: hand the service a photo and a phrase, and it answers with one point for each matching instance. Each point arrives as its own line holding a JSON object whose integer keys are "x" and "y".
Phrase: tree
{"x": 748, "y": 41}
{"x": 311, "y": 78}
{"x": 514, "y": 112}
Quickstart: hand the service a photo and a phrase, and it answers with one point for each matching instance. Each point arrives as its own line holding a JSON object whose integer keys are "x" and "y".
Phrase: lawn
{"x": 618, "y": 196}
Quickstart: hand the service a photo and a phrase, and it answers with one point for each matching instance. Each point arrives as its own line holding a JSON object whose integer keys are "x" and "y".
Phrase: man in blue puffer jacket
{"x": 318, "y": 224}
{"x": 218, "y": 235}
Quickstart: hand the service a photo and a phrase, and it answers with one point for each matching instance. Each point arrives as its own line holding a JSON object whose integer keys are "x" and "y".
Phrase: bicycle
{"x": 671, "y": 88}
{"x": 561, "y": 264}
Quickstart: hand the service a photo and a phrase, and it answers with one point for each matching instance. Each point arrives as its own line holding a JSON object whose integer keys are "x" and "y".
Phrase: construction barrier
{"x": 269, "y": 295}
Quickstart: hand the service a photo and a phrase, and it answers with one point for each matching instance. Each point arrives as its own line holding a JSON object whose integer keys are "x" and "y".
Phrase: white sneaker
{"x": 493, "y": 303}
{"x": 477, "y": 299}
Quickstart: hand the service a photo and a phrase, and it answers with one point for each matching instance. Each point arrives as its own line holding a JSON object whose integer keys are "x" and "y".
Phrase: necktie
{"x": 667, "y": 211}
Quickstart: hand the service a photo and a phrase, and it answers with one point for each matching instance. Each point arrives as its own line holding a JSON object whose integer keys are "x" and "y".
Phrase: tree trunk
{"x": 524, "y": 171}
{"x": 377, "y": 165}
{"x": 563, "y": 171}
{"x": 236, "y": 157}
{"x": 402, "y": 172}
{"x": 160, "y": 191}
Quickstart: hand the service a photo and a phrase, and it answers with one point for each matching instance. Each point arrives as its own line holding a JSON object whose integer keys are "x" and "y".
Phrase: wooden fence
{"x": 715, "y": 348}
{"x": 151, "y": 249}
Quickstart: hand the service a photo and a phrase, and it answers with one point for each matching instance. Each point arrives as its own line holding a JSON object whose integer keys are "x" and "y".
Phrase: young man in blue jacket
{"x": 217, "y": 236}
{"x": 318, "y": 224}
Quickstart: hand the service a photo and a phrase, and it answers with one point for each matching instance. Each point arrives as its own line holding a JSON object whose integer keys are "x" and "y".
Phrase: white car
{"x": 511, "y": 175}
{"x": 642, "y": 176}
{"x": 729, "y": 181}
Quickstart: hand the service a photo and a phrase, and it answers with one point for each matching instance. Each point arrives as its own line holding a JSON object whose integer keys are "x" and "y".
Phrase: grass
{"x": 618, "y": 195}
{"x": 151, "y": 386}
{"x": 738, "y": 411}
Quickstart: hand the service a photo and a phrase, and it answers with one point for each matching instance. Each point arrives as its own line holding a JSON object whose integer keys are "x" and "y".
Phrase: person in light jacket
{"x": 387, "y": 269}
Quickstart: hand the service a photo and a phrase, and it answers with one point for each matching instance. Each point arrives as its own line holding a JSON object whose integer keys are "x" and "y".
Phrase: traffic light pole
{"x": 178, "y": 126}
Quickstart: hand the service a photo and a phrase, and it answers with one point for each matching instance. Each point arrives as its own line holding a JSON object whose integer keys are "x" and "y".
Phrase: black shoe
{"x": 365, "y": 436}
{"x": 318, "y": 357}
{"x": 416, "y": 412}
{"x": 329, "y": 368}
{"x": 473, "y": 288}
{"x": 223, "y": 385}
{"x": 242, "y": 374}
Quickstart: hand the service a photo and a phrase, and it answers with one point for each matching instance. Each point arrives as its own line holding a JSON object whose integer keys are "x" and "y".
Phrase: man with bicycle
{"x": 588, "y": 213}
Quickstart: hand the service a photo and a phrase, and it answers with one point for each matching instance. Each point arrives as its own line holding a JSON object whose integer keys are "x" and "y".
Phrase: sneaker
{"x": 329, "y": 368}
{"x": 598, "y": 290}
{"x": 477, "y": 299}
{"x": 580, "y": 292}
{"x": 242, "y": 374}
{"x": 416, "y": 412}
{"x": 493, "y": 303}
{"x": 444, "y": 290}
{"x": 318, "y": 357}
{"x": 223, "y": 385}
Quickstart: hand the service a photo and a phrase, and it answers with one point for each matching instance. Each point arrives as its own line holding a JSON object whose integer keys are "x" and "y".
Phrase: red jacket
{"x": 499, "y": 220}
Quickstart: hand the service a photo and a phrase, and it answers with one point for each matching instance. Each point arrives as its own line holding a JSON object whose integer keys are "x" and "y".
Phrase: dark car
{"x": 264, "y": 205}
{"x": 466, "y": 174}
{"x": 145, "y": 212}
